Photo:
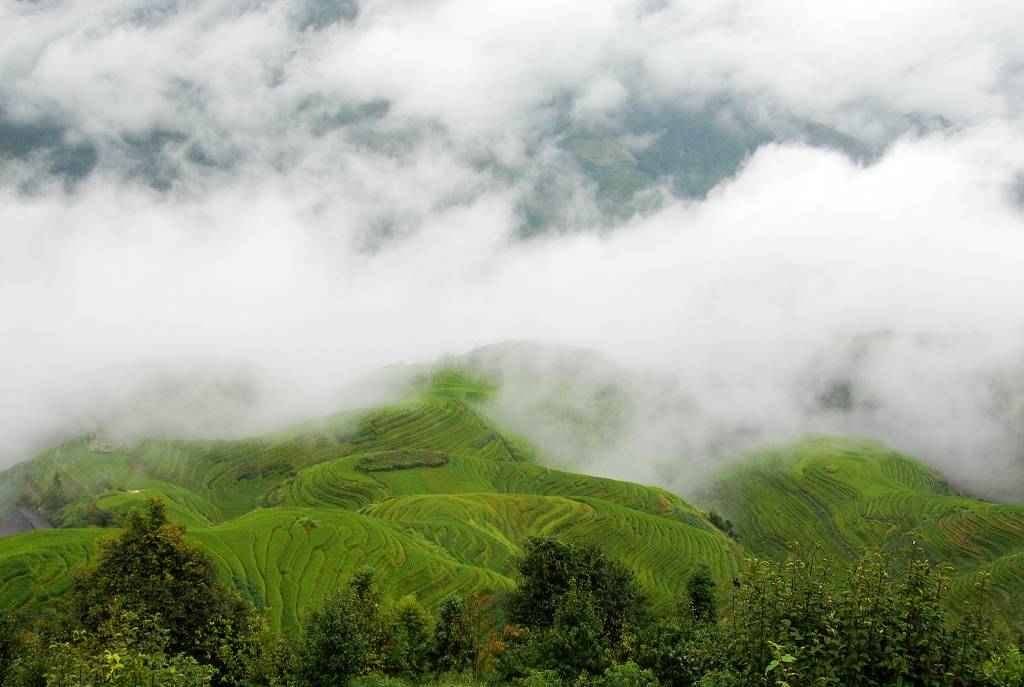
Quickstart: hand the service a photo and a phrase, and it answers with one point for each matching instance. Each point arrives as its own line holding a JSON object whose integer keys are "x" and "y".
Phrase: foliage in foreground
{"x": 575, "y": 619}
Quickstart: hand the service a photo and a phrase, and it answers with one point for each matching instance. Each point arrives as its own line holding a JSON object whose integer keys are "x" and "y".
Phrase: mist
{"x": 214, "y": 216}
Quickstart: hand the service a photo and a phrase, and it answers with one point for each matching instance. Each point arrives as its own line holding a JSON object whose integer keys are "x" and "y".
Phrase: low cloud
{"x": 279, "y": 197}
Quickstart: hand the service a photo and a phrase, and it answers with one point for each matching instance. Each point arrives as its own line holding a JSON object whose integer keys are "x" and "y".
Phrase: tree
{"x": 626, "y": 674}
{"x": 412, "y": 638}
{"x": 722, "y": 524}
{"x": 150, "y": 569}
{"x": 883, "y": 623}
{"x": 679, "y": 652}
{"x": 700, "y": 589}
{"x": 334, "y": 647}
{"x": 574, "y": 644}
{"x": 10, "y": 643}
{"x": 371, "y": 620}
{"x": 550, "y": 567}
{"x": 454, "y": 645}
{"x": 129, "y": 652}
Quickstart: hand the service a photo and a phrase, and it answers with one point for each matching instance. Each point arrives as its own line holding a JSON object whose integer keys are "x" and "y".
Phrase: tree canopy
{"x": 149, "y": 568}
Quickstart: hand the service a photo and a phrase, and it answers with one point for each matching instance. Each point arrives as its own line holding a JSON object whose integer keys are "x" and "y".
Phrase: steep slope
{"x": 429, "y": 492}
{"x": 851, "y": 496}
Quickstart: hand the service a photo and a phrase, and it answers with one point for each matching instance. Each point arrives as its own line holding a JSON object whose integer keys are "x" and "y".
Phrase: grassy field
{"x": 429, "y": 492}
{"x": 851, "y": 497}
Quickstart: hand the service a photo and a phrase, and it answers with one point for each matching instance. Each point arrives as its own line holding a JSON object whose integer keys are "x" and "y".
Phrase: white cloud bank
{"x": 333, "y": 233}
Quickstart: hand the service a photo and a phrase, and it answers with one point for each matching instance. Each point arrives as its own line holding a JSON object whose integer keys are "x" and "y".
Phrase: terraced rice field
{"x": 852, "y": 496}
{"x": 612, "y": 166}
{"x": 437, "y": 498}
{"x": 429, "y": 492}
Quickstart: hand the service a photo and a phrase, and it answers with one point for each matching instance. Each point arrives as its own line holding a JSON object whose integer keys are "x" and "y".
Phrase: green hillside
{"x": 438, "y": 498}
{"x": 429, "y": 492}
{"x": 853, "y": 496}
{"x": 612, "y": 166}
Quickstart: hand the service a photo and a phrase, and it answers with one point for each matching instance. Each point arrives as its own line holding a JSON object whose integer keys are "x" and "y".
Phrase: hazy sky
{"x": 296, "y": 192}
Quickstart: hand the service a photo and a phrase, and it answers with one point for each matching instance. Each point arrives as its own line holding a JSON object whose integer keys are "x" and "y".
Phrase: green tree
{"x": 454, "y": 644}
{"x": 626, "y": 674}
{"x": 550, "y": 567}
{"x": 10, "y": 643}
{"x": 54, "y": 498}
{"x": 574, "y": 644}
{"x": 700, "y": 590}
{"x": 28, "y": 664}
{"x": 334, "y": 646}
{"x": 679, "y": 652}
{"x": 127, "y": 652}
{"x": 372, "y": 624}
{"x": 882, "y": 623}
{"x": 253, "y": 656}
{"x": 150, "y": 569}
{"x": 412, "y": 638}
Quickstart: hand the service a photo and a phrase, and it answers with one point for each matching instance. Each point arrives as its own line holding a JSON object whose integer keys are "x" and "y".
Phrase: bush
{"x": 412, "y": 638}
{"x": 130, "y": 652}
{"x": 377, "y": 680}
{"x": 680, "y": 653}
{"x": 150, "y": 569}
{"x": 723, "y": 525}
{"x": 10, "y": 643}
{"x": 1006, "y": 667}
{"x": 878, "y": 627}
{"x": 700, "y": 589}
{"x": 28, "y": 661}
{"x": 574, "y": 643}
{"x": 252, "y": 657}
{"x": 334, "y": 646}
{"x": 372, "y": 624}
{"x": 454, "y": 644}
{"x": 549, "y": 568}
{"x": 539, "y": 678}
{"x": 626, "y": 674}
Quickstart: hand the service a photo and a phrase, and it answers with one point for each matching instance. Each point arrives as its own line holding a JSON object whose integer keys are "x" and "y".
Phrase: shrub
{"x": 700, "y": 589}
{"x": 574, "y": 643}
{"x": 334, "y": 646}
{"x": 372, "y": 624}
{"x": 377, "y": 680}
{"x": 626, "y": 674}
{"x": 539, "y": 678}
{"x": 10, "y": 643}
{"x": 454, "y": 644}
{"x": 412, "y": 638}
{"x": 149, "y": 569}
{"x": 878, "y": 627}
{"x": 1006, "y": 667}
{"x": 549, "y": 568}
{"x": 129, "y": 652}
{"x": 680, "y": 653}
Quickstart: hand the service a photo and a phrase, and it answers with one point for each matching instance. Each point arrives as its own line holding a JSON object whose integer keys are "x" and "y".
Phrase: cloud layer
{"x": 274, "y": 197}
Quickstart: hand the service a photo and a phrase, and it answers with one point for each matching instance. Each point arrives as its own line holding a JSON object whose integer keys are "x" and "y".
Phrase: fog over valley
{"x": 673, "y": 232}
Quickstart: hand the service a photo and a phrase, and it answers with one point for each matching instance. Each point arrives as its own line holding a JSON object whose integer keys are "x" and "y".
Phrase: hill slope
{"x": 854, "y": 496}
{"x": 429, "y": 492}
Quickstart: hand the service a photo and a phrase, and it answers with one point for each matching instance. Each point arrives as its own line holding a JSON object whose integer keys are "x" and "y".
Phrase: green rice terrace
{"x": 437, "y": 498}
{"x": 854, "y": 496}
{"x": 429, "y": 492}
